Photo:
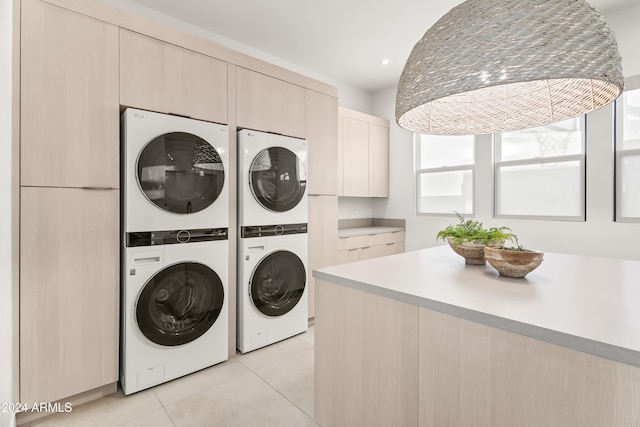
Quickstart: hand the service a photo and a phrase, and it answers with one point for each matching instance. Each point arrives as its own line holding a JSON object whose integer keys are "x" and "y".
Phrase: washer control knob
{"x": 279, "y": 230}
{"x": 183, "y": 236}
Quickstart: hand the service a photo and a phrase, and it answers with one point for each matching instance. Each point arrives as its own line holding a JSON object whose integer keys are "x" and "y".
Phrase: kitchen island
{"x": 420, "y": 338}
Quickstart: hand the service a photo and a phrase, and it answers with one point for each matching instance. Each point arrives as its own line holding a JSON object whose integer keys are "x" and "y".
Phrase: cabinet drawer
{"x": 348, "y": 255}
{"x": 352, "y": 242}
{"x": 394, "y": 237}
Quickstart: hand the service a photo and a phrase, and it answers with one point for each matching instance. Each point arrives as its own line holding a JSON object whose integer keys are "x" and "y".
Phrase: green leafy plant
{"x": 473, "y": 231}
{"x": 517, "y": 248}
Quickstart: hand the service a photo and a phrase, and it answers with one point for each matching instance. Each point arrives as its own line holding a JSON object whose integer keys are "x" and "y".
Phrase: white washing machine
{"x": 173, "y": 172}
{"x": 272, "y": 179}
{"x": 272, "y": 289}
{"x": 175, "y": 306}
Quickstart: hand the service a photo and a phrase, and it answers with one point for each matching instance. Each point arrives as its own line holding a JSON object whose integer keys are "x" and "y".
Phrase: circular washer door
{"x": 277, "y": 283}
{"x": 180, "y": 172}
{"x": 277, "y": 179}
{"x": 179, "y": 303}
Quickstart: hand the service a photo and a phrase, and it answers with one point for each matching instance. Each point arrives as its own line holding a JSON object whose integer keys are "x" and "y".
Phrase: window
{"x": 444, "y": 174}
{"x": 628, "y": 156}
{"x": 540, "y": 172}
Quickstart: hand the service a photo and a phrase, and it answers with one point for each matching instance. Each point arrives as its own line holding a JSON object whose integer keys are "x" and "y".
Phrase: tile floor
{"x": 272, "y": 386}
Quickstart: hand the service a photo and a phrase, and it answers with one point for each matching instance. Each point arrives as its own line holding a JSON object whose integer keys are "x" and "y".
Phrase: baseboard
{"x": 78, "y": 399}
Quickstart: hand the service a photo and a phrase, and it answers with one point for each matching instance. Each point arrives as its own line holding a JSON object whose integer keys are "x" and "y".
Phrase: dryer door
{"x": 277, "y": 283}
{"x": 180, "y": 172}
{"x": 179, "y": 303}
{"x": 277, "y": 178}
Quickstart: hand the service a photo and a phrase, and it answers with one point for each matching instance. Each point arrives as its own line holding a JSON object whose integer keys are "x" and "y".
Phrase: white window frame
{"x": 581, "y": 158}
{"x": 632, "y": 83}
{"x": 419, "y": 171}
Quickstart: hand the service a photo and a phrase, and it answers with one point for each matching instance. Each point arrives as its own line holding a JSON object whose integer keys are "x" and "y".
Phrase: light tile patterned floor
{"x": 272, "y": 386}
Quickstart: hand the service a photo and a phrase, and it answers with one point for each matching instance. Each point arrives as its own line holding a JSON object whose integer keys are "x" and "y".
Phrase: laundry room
{"x": 227, "y": 214}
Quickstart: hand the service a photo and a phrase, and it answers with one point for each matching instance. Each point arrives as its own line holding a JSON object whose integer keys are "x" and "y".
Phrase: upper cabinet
{"x": 162, "y": 77}
{"x": 269, "y": 104}
{"x": 363, "y": 145}
{"x": 322, "y": 138}
{"x": 69, "y": 99}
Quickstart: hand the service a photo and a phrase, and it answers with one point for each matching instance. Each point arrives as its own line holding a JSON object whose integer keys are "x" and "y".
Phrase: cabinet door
{"x": 69, "y": 291}
{"x": 269, "y": 104}
{"x": 323, "y": 238}
{"x": 322, "y": 137}
{"x": 159, "y": 76}
{"x": 340, "y": 155}
{"x": 378, "y": 161}
{"x": 69, "y": 99}
{"x": 356, "y": 158}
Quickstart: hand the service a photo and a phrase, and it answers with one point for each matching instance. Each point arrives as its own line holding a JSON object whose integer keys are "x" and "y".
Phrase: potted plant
{"x": 468, "y": 238}
{"x": 515, "y": 261}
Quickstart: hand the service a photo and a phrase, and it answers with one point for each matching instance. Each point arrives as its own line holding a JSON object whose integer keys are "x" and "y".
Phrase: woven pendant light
{"x": 491, "y": 66}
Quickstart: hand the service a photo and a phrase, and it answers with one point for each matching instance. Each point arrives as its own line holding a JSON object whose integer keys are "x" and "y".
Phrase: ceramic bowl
{"x": 511, "y": 263}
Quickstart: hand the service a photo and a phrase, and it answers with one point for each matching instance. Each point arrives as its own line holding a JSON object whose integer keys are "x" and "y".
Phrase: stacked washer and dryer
{"x": 272, "y": 245}
{"x": 174, "y": 312}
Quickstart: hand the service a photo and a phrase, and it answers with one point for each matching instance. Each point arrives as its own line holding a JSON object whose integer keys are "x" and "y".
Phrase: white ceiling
{"x": 344, "y": 40}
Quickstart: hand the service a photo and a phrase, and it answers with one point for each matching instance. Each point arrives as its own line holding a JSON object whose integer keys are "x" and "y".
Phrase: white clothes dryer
{"x": 173, "y": 172}
{"x": 272, "y": 289}
{"x": 174, "y": 317}
{"x": 272, "y": 179}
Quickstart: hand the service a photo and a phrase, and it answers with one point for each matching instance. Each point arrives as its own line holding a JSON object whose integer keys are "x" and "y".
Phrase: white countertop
{"x": 587, "y": 304}
{"x": 360, "y": 231}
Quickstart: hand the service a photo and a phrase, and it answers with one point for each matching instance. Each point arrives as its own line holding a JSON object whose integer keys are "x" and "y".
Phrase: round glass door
{"x": 180, "y": 173}
{"x": 179, "y": 303}
{"x": 277, "y": 283}
{"x": 277, "y": 178}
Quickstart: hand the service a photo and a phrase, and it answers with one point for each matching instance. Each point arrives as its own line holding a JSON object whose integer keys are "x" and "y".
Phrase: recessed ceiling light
{"x": 385, "y": 61}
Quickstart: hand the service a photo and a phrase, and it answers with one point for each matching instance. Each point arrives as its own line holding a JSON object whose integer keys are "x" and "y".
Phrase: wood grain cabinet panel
{"x": 363, "y": 154}
{"x": 356, "y": 158}
{"x": 69, "y": 287}
{"x": 322, "y": 137}
{"x": 271, "y": 105}
{"x": 323, "y": 239}
{"x": 378, "y": 161}
{"x": 162, "y": 77}
{"x": 69, "y": 99}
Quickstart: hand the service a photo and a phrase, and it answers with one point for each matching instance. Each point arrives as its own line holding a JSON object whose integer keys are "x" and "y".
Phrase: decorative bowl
{"x": 513, "y": 263}
{"x": 472, "y": 252}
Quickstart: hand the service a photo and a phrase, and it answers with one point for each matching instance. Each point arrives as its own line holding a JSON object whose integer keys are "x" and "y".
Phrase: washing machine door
{"x": 277, "y": 283}
{"x": 179, "y": 303}
{"x": 180, "y": 172}
{"x": 277, "y": 178}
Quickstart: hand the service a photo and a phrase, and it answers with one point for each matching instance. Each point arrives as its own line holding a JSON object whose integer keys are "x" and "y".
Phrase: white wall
{"x": 598, "y": 236}
{"x": 6, "y": 298}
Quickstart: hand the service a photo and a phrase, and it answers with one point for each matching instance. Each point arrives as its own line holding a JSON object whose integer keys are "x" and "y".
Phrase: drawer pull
{"x": 353, "y": 249}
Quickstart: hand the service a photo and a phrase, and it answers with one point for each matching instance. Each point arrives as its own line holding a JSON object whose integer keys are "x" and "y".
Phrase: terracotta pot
{"x": 511, "y": 263}
{"x": 472, "y": 252}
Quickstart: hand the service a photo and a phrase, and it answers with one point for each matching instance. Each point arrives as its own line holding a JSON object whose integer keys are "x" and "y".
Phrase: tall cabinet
{"x": 69, "y": 203}
{"x": 322, "y": 137}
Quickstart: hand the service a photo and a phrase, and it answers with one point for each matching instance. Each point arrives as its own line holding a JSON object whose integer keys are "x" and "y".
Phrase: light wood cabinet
{"x": 355, "y": 158}
{"x": 271, "y": 105}
{"x": 322, "y": 140}
{"x": 69, "y": 287}
{"x": 363, "y": 145}
{"x": 162, "y": 77}
{"x": 322, "y": 234}
{"x": 378, "y": 161}
{"x": 367, "y": 246}
{"x": 69, "y": 118}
